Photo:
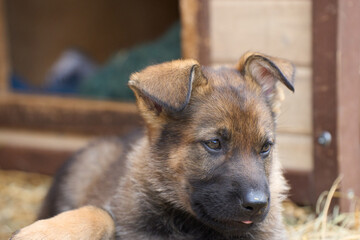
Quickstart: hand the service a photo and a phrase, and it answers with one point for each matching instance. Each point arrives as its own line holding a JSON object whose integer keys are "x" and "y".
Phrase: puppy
{"x": 206, "y": 167}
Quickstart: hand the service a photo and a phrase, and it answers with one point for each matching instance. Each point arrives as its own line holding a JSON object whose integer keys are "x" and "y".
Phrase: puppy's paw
{"x": 81, "y": 224}
{"x": 43, "y": 229}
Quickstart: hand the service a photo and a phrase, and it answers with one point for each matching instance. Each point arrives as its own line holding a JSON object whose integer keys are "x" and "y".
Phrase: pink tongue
{"x": 247, "y": 222}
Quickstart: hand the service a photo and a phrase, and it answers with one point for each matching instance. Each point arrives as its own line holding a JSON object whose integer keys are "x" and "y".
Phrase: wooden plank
{"x": 296, "y": 109}
{"x": 189, "y": 35}
{"x": 195, "y": 30}
{"x": 37, "y": 152}
{"x": 335, "y": 93}
{"x": 37, "y": 140}
{"x": 204, "y": 31}
{"x": 348, "y": 86}
{"x": 299, "y": 182}
{"x": 324, "y": 92}
{"x": 295, "y": 151}
{"x": 68, "y": 115}
{"x": 279, "y": 28}
{"x": 32, "y": 159}
{"x": 4, "y": 60}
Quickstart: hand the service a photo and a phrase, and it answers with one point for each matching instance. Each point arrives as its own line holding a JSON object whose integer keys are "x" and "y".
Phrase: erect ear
{"x": 267, "y": 72}
{"x": 166, "y": 87}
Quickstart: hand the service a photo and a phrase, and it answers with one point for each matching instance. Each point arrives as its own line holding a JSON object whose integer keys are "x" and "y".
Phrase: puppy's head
{"x": 212, "y": 134}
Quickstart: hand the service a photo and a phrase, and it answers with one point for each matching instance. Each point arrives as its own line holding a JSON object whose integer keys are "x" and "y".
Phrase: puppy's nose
{"x": 255, "y": 201}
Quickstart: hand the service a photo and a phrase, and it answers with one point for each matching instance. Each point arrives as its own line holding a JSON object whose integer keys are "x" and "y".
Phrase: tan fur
{"x": 152, "y": 187}
{"x": 93, "y": 223}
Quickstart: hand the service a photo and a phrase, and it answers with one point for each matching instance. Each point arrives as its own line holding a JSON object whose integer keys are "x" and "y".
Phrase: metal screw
{"x": 350, "y": 194}
{"x": 324, "y": 138}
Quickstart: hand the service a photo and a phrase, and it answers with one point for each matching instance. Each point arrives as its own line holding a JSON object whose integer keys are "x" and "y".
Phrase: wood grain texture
{"x": 296, "y": 109}
{"x": 336, "y": 62}
{"x": 203, "y": 19}
{"x": 68, "y": 115}
{"x": 324, "y": 92}
{"x": 279, "y": 28}
{"x": 195, "y": 35}
{"x": 299, "y": 182}
{"x": 4, "y": 60}
{"x": 295, "y": 151}
{"x": 42, "y": 140}
{"x": 43, "y": 161}
{"x": 189, "y": 32}
{"x": 348, "y": 86}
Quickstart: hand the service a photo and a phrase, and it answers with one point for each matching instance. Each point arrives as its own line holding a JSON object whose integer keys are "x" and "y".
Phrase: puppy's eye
{"x": 265, "y": 150}
{"x": 213, "y": 144}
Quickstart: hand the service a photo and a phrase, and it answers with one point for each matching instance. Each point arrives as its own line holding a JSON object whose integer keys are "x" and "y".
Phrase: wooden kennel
{"x": 321, "y": 37}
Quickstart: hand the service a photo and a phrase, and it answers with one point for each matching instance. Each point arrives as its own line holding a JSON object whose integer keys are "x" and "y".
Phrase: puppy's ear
{"x": 166, "y": 87}
{"x": 267, "y": 72}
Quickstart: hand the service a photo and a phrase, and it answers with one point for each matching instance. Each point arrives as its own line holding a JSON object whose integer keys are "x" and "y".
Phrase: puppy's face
{"x": 230, "y": 136}
{"x": 214, "y": 148}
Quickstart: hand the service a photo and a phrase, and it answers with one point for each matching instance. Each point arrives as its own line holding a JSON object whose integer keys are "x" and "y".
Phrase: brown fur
{"x": 171, "y": 185}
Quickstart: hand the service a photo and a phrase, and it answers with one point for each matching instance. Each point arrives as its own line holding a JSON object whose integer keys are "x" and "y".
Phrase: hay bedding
{"x": 21, "y": 195}
{"x": 322, "y": 224}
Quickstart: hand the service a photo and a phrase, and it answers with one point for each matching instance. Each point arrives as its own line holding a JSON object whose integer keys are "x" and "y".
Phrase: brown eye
{"x": 213, "y": 144}
{"x": 265, "y": 150}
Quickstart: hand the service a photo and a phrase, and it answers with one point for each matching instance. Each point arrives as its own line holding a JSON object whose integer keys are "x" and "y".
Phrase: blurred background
{"x": 64, "y": 67}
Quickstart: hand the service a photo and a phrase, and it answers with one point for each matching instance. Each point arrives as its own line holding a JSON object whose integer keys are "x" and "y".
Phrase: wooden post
{"x": 195, "y": 36}
{"x": 336, "y": 86}
{"x": 4, "y": 61}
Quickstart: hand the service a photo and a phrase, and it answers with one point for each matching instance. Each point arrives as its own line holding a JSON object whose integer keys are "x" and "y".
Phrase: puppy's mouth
{"x": 247, "y": 222}
{"x": 235, "y": 223}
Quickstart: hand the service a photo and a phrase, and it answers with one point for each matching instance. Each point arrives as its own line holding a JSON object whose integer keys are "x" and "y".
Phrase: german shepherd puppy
{"x": 206, "y": 167}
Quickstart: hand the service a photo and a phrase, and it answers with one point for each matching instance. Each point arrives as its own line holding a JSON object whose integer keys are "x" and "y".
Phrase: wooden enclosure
{"x": 322, "y": 40}
{"x": 39, "y": 31}
{"x": 37, "y": 133}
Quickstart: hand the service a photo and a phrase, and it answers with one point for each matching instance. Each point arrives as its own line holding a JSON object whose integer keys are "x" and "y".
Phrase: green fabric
{"x": 110, "y": 82}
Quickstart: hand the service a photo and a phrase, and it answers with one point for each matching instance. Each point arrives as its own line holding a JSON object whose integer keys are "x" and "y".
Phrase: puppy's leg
{"x": 83, "y": 223}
